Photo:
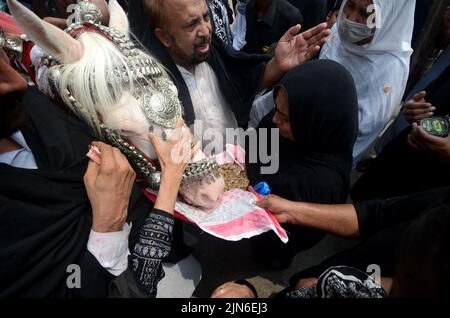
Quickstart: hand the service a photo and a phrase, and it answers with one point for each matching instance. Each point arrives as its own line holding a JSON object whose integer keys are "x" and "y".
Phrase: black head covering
{"x": 323, "y": 111}
{"x": 322, "y": 107}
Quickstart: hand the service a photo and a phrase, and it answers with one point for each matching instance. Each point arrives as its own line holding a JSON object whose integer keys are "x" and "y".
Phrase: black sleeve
{"x": 144, "y": 266}
{"x": 154, "y": 244}
{"x": 376, "y": 215}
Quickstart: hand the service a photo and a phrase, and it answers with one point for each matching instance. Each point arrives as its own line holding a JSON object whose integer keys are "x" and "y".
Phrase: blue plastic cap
{"x": 262, "y": 188}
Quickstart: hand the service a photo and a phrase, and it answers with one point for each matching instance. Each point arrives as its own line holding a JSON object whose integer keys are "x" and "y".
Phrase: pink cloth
{"x": 236, "y": 217}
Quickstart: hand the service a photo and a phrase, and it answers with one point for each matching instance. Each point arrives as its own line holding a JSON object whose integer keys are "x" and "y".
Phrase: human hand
{"x": 177, "y": 152}
{"x": 108, "y": 186}
{"x": 173, "y": 156}
{"x": 281, "y": 208}
{"x": 436, "y": 146}
{"x": 233, "y": 290}
{"x": 417, "y": 108}
{"x": 295, "y": 48}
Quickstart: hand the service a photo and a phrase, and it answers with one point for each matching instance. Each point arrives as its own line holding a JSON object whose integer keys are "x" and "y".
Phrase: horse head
{"x": 121, "y": 91}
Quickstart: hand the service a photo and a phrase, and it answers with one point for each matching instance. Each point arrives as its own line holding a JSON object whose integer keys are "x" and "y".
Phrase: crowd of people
{"x": 334, "y": 78}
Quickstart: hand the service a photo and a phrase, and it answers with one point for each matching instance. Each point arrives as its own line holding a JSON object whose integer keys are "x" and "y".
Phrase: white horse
{"x": 121, "y": 91}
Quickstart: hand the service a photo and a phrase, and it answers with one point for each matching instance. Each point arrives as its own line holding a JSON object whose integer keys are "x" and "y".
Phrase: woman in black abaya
{"x": 317, "y": 115}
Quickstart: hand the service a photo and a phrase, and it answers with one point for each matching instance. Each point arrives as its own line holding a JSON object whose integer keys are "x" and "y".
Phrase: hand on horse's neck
{"x": 7, "y": 145}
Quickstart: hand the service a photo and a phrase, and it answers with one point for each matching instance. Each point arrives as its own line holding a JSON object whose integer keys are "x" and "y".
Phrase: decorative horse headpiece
{"x": 112, "y": 84}
{"x": 11, "y": 41}
{"x": 11, "y": 44}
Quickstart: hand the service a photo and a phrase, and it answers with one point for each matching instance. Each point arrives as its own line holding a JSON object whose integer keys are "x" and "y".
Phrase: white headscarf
{"x": 380, "y": 69}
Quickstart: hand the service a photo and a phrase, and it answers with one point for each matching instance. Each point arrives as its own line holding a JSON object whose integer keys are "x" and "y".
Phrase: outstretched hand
{"x": 295, "y": 48}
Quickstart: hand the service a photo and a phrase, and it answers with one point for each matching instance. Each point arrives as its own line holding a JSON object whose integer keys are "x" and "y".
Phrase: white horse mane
{"x": 97, "y": 82}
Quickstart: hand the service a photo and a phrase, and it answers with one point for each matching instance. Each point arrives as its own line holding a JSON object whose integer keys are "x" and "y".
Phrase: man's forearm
{"x": 340, "y": 220}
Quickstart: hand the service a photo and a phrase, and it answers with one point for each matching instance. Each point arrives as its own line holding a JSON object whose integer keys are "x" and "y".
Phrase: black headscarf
{"x": 323, "y": 112}
{"x": 45, "y": 214}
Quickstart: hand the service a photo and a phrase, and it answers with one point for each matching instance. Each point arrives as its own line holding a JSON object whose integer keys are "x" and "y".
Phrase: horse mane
{"x": 97, "y": 80}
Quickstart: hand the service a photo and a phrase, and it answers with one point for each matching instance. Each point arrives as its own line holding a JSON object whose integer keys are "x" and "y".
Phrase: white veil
{"x": 380, "y": 69}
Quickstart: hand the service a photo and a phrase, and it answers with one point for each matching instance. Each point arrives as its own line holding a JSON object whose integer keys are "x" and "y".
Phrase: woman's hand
{"x": 109, "y": 181}
{"x": 173, "y": 156}
{"x": 176, "y": 153}
{"x": 281, "y": 208}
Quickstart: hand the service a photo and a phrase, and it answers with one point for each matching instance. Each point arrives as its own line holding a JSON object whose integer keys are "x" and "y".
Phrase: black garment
{"x": 46, "y": 218}
{"x": 381, "y": 224}
{"x": 263, "y": 32}
{"x": 314, "y": 11}
{"x": 239, "y": 75}
{"x": 341, "y": 282}
{"x": 316, "y": 167}
{"x": 399, "y": 169}
{"x": 46, "y": 215}
{"x": 145, "y": 270}
{"x": 324, "y": 120}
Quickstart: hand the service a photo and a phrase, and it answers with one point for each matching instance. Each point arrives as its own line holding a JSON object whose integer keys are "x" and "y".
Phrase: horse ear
{"x": 118, "y": 18}
{"x": 49, "y": 38}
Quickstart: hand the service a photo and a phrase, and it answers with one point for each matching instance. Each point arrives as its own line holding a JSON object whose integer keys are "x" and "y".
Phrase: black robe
{"x": 45, "y": 214}
{"x": 324, "y": 120}
{"x": 239, "y": 74}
